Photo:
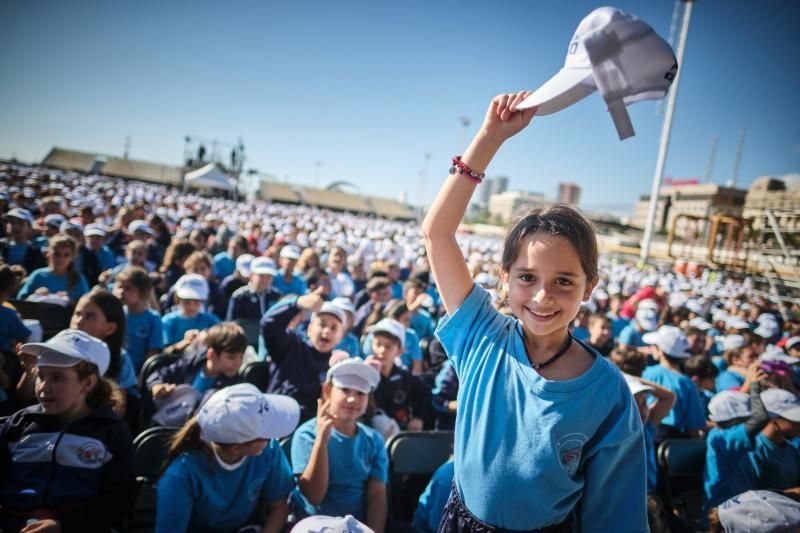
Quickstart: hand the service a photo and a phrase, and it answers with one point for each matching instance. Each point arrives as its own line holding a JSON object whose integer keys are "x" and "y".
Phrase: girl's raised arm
{"x": 439, "y": 227}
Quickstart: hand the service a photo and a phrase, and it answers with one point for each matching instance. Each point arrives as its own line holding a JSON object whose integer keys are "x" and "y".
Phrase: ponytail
{"x": 102, "y": 393}
{"x": 188, "y": 438}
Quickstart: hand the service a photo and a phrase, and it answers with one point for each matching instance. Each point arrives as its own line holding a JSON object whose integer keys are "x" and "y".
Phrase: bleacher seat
{"x": 413, "y": 458}
{"x": 52, "y": 317}
{"x": 150, "y": 452}
{"x": 286, "y": 446}
{"x": 681, "y": 463}
{"x": 152, "y": 364}
{"x": 256, "y": 373}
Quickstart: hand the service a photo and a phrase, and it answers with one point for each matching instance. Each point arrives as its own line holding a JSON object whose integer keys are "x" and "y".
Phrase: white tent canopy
{"x": 209, "y": 176}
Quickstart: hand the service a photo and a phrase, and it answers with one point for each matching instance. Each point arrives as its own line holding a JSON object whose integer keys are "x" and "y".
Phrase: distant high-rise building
{"x": 489, "y": 187}
{"x": 569, "y": 193}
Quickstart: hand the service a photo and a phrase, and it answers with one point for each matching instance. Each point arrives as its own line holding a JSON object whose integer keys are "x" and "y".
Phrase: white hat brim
{"x": 568, "y": 86}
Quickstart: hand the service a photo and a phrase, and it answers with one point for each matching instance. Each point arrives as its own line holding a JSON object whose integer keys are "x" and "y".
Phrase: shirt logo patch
{"x": 568, "y": 449}
{"x": 90, "y": 454}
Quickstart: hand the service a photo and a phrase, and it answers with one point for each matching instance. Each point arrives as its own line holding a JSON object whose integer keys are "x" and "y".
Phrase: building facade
{"x": 569, "y": 193}
{"x": 503, "y": 206}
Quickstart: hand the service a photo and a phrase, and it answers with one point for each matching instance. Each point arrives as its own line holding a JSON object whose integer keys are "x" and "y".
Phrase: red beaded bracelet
{"x": 459, "y": 167}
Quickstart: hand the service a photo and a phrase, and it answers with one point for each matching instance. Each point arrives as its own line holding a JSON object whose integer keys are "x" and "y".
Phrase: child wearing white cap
{"x": 776, "y": 457}
{"x": 181, "y": 326}
{"x": 738, "y": 419}
{"x": 252, "y": 301}
{"x": 66, "y": 462}
{"x": 17, "y": 248}
{"x": 738, "y": 361}
{"x": 287, "y": 281}
{"x": 225, "y": 465}
{"x": 671, "y": 350}
{"x": 535, "y": 408}
{"x": 341, "y": 464}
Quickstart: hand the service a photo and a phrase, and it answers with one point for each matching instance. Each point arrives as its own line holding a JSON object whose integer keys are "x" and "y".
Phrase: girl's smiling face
{"x": 348, "y": 405}
{"x": 546, "y": 284}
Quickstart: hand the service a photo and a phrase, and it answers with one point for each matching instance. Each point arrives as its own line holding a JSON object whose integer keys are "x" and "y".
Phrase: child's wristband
{"x": 459, "y": 167}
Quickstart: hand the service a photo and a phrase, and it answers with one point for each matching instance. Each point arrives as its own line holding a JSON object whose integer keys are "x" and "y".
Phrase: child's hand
{"x": 42, "y": 291}
{"x": 502, "y": 119}
{"x": 324, "y": 420}
{"x": 162, "y": 390}
{"x": 755, "y": 373}
{"x": 190, "y": 335}
{"x": 311, "y": 301}
{"x": 27, "y": 361}
{"x": 415, "y": 424}
{"x": 42, "y": 526}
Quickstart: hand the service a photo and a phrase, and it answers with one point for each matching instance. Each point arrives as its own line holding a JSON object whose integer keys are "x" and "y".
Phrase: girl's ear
{"x": 588, "y": 292}
{"x": 89, "y": 383}
{"x": 110, "y": 328}
{"x": 326, "y": 390}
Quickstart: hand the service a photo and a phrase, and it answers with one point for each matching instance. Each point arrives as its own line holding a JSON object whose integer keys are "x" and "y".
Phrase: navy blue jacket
{"x": 81, "y": 473}
{"x": 246, "y": 304}
{"x": 402, "y": 396}
{"x": 297, "y": 369}
{"x": 185, "y": 370}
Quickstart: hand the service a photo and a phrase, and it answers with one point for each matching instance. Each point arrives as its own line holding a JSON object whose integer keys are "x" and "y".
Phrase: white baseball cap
{"x": 345, "y": 304}
{"x": 54, "y": 220}
{"x": 732, "y": 342}
{"x": 647, "y": 318}
{"x": 21, "y": 214}
{"x": 243, "y": 263}
{"x": 671, "y": 340}
{"x": 263, "y": 266}
{"x": 328, "y": 308}
{"x": 781, "y": 403}
{"x": 354, "y": 373}
{"x": 242, "y": 413}
{"x": 94, "y": 229}
{"x": 617, "y": 53}
{"x": 759, "y": 511}
{"x": 736, "y": 322}
{"x": 71, "y": 225}
{"x": 290, "y": 252}
{"x": 393, "y": 328}
{"x": 192, "y": 287}
{"x": 700, "y": 323}
{"x": 729, "y": 405}
{"x": 140, "y": 225}
{"x": 330, "y": 524}
{"x": 767, "y": 330}
{"x": 636, "y": 386}
{"x": 68, "y": 348}
{"x": 791, "y": 342}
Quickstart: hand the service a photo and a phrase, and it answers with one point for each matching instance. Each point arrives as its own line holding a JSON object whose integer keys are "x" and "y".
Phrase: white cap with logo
{"x": 354, "y": 373}
{"x": 68, "y": 348}
{"x": 729, "y": 405}
{"x": 671, "y": 340}
{"x": 329, "y": 308}
{"x": 781, "y": 403}
{"x": 192, "y": 287}
{"x": 617, "y": 53}
{"x": 759, "y": 511}
{"x": 242, "y": 413}
{"x": 243, "y": 263}
{"x": 263, "y": 266}
{"x": 393, "y": 328}
{"x": 330, "y": 524}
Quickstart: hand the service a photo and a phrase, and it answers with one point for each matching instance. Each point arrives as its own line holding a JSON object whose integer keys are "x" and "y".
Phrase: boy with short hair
{"x": 600, "y": 334}
{"x": 17, "y": 248}
{"x": 252, "y": 301}
{"x": 702, "y": 372}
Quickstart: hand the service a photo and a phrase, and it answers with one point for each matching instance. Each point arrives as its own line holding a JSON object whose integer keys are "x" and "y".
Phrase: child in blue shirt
{"x": 739, "y": 418}
{"x": 225, "y": 465}
{"x": 738, "y": 360}
{"x": 411, "y": 356}
{"x": 341, "y": 465}
{"x": 181, "y": 326}
{"x": 546, "y": 427}
{"x": 144, "y": 332}
{"x": 60, "y": 276}
{"x": 687, "y": 417}
{"x": 775, "y": 459}
{"x": 349, "y": 342}
{"x": 433, "y": 499}
{"x": 702, "y": 371}
{"x": 12, "y": 329}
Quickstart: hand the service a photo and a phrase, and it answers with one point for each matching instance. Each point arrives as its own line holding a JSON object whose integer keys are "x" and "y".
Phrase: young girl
{"x": 143, "y": 325}
{"x": 225, "y": 465}
{"x": 546, "y": 429}
{"x": 341, "y": 464}
{"x": 66, "y": 464}
{"x": 60, "y": 276}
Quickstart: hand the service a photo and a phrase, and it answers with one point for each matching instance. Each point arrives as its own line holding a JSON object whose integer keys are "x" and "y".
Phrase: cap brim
{"x": 567, "y": 87}
{"x": 792, "y": 414}
{"x": 284, "y": 416}
{"x": 264, "y": 272}
{"x": 650, "y": 338}
{"x": 41, "y": 349}
{"x": 55, "y": 359}
{"x": 188, "y": 295}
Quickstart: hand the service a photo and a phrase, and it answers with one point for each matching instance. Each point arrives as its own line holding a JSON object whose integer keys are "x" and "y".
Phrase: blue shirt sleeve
{"x": 380, "y": 461}
{"x": 302, "y": 443}
{"x": 31, "y": 284}
{"x": 412, "y": 345}
{"x": 168, "y": 324}
{"x": 175, "y": 499}
{"x": 695, "y": 414}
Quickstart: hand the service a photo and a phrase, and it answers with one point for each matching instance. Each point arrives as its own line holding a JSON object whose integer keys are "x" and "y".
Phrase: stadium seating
{"x": 52, "y": 317}
{"x": 413, "y": 458}
{"x": 256, "y": 373}
{"x": 681, "y": 463}
{"x": 150, "y": 452}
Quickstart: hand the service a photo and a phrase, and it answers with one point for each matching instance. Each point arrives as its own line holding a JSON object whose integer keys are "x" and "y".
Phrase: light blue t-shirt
{"x": 127, "y": 376}
{"x": 650, "y": 432}
{"x": 296, "y": 286}
{"x": 11, "y": 328}
{"x": 777, "y": 466}
{"x": 728, "y": 380}
{"x": 44, "y": 277}
{"x": 349, "y": 344}
{"x": 105, "y": 258}
{"x": 412, "y": 350}
{"x": 727, "y": 472}
{"x": 193, "y": 497}
{"x": 631, "y": 336}
{"x": 175, "y": 325}
{"x": 144, "y": 333}
{"x": 432, "y": 501}
{"x": 224, "y": 265}
{"x": 528, "y": 451}
{"x": 618, "y": 323}
{"x": 687, "y": 413}
{"x": 351, "y": 462}
{"x": 422, "y": 324}
{"x": 16, "y": 253}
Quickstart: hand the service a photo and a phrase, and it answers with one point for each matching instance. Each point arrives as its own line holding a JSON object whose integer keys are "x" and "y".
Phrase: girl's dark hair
{"x": 554, "y": 219}
{"x": 700, "y": 366}
{"x": 395, "y": 309}
{"x": 198, "y": 256}
{"x": 8, "y": 281}
{"x": 102, "y": 393}
{"x": 114, "y": 312}
{"x": 61, "y": 240}
{"x": 629, "y": 360}
{"x": 138, "y": 278}
{"x": 176, "y": 253}
{"x": 674, "y": 361}
{"x": 188, "y": 438}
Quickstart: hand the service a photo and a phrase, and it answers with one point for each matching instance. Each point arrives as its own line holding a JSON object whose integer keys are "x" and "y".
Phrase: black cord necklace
{"x": 558, "y": 354}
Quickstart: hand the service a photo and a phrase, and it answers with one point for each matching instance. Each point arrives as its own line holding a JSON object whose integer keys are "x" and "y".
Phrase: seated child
{"x": 444, "y": 397}
{"x": 181, "y": 326}
{"x": 739, "y": 418}
{"x": 216, "y": 368}
{"x": 252, "y": 301}
{"x": 12, "y": 329}
{"x": 349, "y": 342}
{"x": 144, "y": 332}
{"x": 60, "y": 276}
{"x": 738, "y": 360}
{"x": 402, "y": 397}
{"x": 776, "y": 459}
{"x": 702, "y": 371}
{"x": 341, "y": 464}
{"x": 411, "y": 357}
{"x": 433, "y": 499}
{"x": 600, "y": 334}
{"x": 297, "y": 365}
{"x": 225, "y": 465}
{"x": 66, "y": 463}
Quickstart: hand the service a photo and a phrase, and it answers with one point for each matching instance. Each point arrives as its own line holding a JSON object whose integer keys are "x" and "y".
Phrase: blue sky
{"x": 369, "y": 87}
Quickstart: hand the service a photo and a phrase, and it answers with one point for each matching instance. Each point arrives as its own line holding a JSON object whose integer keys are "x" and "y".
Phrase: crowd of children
{"x": 565, "y": 369}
